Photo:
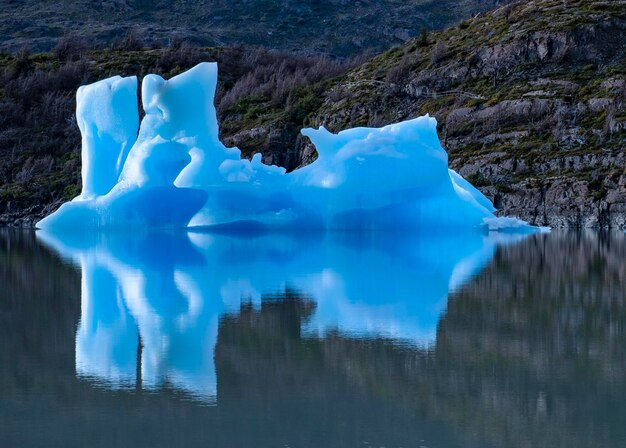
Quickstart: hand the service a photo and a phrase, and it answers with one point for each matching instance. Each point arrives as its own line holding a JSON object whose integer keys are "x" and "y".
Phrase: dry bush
{"x": 398, "y": 74}
{"x": 70, "y": 47}
{"x": 275, "y": 75}
{"x": 34, "y": 166}
{"x": 132, "y": 41}
{"x": 507, "y": 11}
{"x": 439, "y": 53}
{"x": 57, "y": 105}
{"x": 179, "y": 54}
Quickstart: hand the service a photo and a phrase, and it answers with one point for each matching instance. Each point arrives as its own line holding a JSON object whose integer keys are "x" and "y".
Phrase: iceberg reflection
{"x": 152, "y": 302}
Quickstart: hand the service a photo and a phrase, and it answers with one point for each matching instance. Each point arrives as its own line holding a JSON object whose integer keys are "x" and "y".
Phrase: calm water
{"x": 168, "y": 340}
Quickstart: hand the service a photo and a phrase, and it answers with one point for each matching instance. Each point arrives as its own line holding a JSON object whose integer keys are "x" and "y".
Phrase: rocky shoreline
{"x": 557, "y": 199}
{"x": 27, "y": 218}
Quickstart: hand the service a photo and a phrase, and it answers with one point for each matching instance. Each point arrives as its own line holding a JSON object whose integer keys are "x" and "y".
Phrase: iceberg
{"x": 172, "y": 171}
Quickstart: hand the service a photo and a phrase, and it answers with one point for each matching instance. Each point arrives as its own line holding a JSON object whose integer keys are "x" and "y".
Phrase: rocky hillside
{"x": 530, "y": 99}
{"x": 340, "y": 27}
{"x": 531, "y": 104}
{"x": 40, "y": 144}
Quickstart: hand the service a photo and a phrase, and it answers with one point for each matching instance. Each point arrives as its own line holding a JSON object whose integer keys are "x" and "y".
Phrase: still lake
{"x": 329, "y": 340}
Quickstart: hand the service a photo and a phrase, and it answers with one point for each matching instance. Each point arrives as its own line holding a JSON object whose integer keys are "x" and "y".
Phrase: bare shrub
{"x": 56, "y": 105}
{"x": 132, "y": 41}
{"x": 21, "y": 64}
{"x": 422, "y": 40}
{"x": 70, "y": 47}
{"x": 398, "y": 74}
{"x": 179, "y": 54}
{"x": 69, "y": 76}
{"x": 34, "y": 166}
{"x": 439, "y": 53}
{"x": 273, "y": 75}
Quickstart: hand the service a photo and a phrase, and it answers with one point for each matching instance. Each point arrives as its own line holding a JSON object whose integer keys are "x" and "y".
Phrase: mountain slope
{"x": 531, "y": 104}
{"x": 530, "y": 99}
{"x": 339, "y": 27}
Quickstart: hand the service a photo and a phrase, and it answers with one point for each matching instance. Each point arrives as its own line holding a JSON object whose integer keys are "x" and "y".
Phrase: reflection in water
{"x": 151, "y": 304}
{"x": 528, "y": 352}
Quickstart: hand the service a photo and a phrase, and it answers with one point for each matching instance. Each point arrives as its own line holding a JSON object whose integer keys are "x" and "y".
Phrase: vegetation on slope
{"x": 530, "y": 100}
{"x": 39, "y": 138}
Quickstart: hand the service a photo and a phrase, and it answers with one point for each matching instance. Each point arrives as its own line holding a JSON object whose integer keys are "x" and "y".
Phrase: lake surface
{"x": 336, "y": 340}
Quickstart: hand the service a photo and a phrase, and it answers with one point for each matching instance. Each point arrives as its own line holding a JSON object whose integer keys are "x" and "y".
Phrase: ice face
{"x": 178, "y": 174}
{"x": 107, "y": 119}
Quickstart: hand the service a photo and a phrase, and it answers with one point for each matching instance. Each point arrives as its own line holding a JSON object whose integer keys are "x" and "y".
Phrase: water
{"x": 339, "y": 340}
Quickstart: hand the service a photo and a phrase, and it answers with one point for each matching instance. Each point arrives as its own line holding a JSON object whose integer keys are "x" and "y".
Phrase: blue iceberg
{"x": 173, "y": 171}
